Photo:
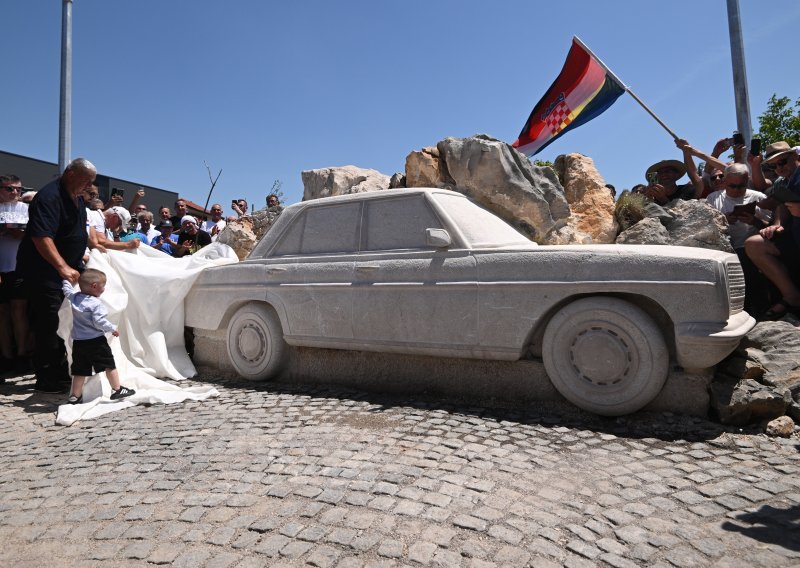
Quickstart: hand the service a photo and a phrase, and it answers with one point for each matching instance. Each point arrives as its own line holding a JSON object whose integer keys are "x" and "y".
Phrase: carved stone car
{"x": 427, "y": 271}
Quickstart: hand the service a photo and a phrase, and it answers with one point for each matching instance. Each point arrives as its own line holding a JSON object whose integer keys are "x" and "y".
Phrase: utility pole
{"x": 65, "y": 113}
{"x": 739, "y": 73}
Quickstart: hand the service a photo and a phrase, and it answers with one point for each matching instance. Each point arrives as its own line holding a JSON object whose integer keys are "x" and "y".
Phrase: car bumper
{"x": 700, "y": 345}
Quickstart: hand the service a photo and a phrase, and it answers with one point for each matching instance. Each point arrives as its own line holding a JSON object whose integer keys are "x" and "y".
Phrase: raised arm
{"x": 691, "y": 168}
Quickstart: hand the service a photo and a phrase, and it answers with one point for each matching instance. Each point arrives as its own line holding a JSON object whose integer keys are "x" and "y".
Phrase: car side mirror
{"x": 438, "y": 238}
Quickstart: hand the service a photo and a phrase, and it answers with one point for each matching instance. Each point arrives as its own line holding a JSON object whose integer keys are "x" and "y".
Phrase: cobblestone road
{"x": 269, "y": 475}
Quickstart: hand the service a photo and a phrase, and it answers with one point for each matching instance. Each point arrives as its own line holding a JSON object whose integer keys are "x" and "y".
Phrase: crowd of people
{"x": 45, "y": 241}
{"x": 760, "y": 198}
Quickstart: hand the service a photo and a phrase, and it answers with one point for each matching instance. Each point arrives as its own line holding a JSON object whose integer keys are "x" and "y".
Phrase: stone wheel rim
{"x": 601, "y": 356}
{"x": 252, "y": 342}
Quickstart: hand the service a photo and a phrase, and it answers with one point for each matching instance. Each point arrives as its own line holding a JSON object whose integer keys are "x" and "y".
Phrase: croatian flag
{"x": 582, "y": 91}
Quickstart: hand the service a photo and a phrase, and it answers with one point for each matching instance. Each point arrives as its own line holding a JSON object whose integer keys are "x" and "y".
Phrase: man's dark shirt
{"x": 176, "y": 221}
{"x": 200, "y": 239}
{"x": 53, "y": 214}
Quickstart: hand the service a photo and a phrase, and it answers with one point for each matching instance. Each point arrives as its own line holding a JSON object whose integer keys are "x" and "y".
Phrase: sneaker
{"x": 121, "y": 393}
{"x": 75, "y": 399}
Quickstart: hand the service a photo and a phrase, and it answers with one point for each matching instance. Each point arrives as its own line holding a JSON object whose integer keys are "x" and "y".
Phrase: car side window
{"x": 321, "y": 230}
{"x": 398, "y": 223}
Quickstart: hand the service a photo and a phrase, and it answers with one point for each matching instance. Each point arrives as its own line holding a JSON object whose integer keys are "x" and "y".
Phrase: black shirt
{"x": 200, "y": 240}
{"x": 53, "y": 214}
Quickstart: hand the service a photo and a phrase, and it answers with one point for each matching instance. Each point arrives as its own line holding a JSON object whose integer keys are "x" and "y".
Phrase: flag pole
{"x": 624, "y": 86}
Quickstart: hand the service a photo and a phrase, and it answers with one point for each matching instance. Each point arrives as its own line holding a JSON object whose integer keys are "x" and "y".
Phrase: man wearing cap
{"x": 662, "y": 177}
{"x": 50, "y": 252}
{"x": 191, "y": 238}
{"x": 166, "y": 241}
{"x": 776, "y": 249}
{"x": 116, "y": 217}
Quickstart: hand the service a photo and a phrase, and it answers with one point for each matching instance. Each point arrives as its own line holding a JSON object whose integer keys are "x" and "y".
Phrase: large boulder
{"x": 589, "y": 199}
{"x": 648, "y": 231}
{"x": 327, "y": 182}
{"x": 761, "y": 379}
{"x": 424, "y": 168}
{"x": 239, "y": 235}
{"x": 504, "y": 181}
{"x": 688, "y": 223}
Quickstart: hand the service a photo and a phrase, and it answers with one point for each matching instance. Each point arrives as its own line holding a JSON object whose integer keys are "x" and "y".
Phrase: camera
{"x": 117, "y": 191}
{"x": 755, "y": 146}
{"x": 652, "y": 178}
{"x": 738, "y": 138}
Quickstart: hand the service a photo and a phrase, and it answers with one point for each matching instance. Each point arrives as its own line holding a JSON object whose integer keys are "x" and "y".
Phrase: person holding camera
{"x": 662, "y": 186}
{"x": 239, "y": 206}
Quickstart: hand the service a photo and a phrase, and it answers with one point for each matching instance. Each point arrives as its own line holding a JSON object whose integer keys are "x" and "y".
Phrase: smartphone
{"x": 748, "y": 208}
{"x": 738, "y": 138}
{"x": 755, "y": 146}
{"x": 233, "y": 203}
{"x": 117, "y": 191}
{"x": 652, "y": 178}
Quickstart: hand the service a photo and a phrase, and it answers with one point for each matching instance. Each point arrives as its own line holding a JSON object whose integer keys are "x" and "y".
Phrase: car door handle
{"x": 367, "y": 267}
{"x": 275, "y": 269}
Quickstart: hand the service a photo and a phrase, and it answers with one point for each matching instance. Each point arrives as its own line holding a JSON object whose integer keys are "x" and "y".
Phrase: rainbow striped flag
{"x": 582, "y": 91}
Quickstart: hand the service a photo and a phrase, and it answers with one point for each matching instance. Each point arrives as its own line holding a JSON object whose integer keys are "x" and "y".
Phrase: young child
{"x": 90, "y": 350}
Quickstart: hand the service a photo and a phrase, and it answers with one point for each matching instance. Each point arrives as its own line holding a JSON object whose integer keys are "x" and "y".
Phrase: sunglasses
{"x": 11, "y": 189}
{"x": 737, "y": 185}
{"x": 781, "y": 163}
{"x": 718, "y": 176}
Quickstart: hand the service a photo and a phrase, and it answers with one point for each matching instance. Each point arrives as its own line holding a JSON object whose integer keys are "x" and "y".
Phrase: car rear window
{"x": 481, "y": 228}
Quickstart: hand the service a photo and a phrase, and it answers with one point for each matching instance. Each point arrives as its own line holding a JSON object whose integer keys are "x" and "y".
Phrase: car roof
{"x": 373, "y": 195}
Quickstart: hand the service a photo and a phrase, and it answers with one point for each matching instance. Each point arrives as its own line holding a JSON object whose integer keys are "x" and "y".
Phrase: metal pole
{"x": 739, "y": 73}
{"x": 65, "y": 114}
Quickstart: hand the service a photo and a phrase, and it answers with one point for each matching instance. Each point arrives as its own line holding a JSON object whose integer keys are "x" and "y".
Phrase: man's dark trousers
{"x": 49, "y": 353}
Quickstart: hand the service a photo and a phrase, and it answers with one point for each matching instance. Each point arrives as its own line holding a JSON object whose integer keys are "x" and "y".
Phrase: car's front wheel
{"x": 256, "y": 347}
{"x": 605, "y": 355}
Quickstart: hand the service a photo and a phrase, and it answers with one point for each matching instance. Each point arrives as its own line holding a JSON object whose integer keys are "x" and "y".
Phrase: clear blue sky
{"x": 265, "y": 90}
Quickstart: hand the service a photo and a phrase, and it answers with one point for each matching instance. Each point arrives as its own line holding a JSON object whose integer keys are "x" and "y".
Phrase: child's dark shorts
{"x": 91, "y": 353}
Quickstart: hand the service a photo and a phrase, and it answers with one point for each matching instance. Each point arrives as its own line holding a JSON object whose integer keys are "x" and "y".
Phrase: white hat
{"x": 188, "y": 218}
{"x": 120, "y": 212}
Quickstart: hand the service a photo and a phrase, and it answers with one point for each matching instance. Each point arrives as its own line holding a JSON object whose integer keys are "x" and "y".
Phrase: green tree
{"x": 781, "y": 121}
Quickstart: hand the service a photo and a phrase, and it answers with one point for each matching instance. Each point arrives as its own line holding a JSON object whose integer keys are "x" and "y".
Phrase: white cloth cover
{"x": 144, "y": 295}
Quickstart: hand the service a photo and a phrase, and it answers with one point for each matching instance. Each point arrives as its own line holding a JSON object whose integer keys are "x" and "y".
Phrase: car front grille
{"x": 735, "y": 278}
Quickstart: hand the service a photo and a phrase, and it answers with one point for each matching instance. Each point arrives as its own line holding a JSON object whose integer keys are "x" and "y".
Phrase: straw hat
{"x": 678, "y": 165}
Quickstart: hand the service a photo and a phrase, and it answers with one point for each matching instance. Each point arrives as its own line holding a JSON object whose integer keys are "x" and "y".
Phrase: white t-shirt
{"x": 12, "y": 212}
{"x": 722, "y": 202}
{"x": 208, "y": 225}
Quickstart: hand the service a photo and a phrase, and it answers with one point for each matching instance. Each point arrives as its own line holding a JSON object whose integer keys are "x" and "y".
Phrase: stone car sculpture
{"x": 428, "y": 272}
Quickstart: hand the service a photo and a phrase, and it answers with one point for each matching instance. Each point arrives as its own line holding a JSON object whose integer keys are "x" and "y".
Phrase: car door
{"x": 313, "y": 263}
{"x": 409, "y": 296}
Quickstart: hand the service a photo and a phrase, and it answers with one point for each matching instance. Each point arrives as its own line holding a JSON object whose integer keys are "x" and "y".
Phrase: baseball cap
{"x": 122, "y": 213}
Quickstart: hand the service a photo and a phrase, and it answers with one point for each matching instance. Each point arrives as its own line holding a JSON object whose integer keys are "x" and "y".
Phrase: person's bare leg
{"x": 77, "y": 386}
{"x": 766, "y": 256}
{"x": 113, "y": 378}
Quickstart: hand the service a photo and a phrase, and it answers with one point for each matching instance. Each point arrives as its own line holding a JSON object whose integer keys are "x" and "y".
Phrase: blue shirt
{"x": 88, "y": 314}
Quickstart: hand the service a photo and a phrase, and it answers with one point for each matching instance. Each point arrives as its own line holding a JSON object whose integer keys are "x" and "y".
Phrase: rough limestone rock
{"x": 693, "y": 223}
{"x": 327, "y": 182}
{"x": 424, "y": 168}
{"x": 746, "y": 401}
{"x": 767, "y": 357}
{"x": 697, "y": 224}
{"x": 263, "y": 219}
{"x": 648, "y": 231}
{"x": 504, "y": 181}
{"x": 782, "y": 426}
{"x": 589, "y": 199}
{"x": 239, "y": 235}
{"x": 398, "y": 180}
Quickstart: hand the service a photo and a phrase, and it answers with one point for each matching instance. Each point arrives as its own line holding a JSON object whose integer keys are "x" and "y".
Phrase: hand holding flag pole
{"x": 584, "y": 89}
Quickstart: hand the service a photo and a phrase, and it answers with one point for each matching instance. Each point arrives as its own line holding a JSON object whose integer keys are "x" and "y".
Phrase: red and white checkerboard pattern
{"x": 559, "y": 118}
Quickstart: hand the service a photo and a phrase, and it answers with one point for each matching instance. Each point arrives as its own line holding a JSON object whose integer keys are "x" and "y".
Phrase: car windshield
{"x": 481, "y": 228}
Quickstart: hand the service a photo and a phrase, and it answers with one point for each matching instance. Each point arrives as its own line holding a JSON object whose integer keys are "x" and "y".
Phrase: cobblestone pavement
{"x": 269, "y": 475}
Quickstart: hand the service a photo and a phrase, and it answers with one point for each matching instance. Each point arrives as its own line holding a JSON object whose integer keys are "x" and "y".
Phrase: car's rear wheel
{"x": 256, "y": 347}
{"x": 605, "y": 355}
